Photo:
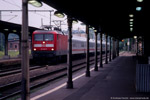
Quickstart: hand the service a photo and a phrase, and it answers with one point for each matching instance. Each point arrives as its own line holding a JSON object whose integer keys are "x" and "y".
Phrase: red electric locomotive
{"x": 47, "y": 43}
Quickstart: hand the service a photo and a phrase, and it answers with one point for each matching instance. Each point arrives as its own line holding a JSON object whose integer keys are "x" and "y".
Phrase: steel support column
{"x": 106, "y": 59}
{"x": 6, "y": 45}
{"x": 50, "y": 19}
{"x": 109, "y": 48}
{"x": 0, "y": 15}
{"x": 1, "y": 42}
{"x": 69, "y": 54}
{"x": 128, "y": 43}
{"x": 142, "y": 46}
{"x": 96, "y": 67}
{"x": 87, "y": 52}
{"x": 137, "y": 47}
{"x": 117, "y": 47}
{"x": 101, "y": 50}
{"x": 114, "y": 49}
{"x": 25, "y": 52}
{"x": 20, "y": 45}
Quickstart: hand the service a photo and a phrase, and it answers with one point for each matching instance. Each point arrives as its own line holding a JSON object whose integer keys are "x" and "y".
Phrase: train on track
{"x": 52, "y": 43}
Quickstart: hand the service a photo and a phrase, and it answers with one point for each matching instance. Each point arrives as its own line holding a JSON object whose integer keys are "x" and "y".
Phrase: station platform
{"x": 11, "y": 61}
{"x": 115, "y": 81}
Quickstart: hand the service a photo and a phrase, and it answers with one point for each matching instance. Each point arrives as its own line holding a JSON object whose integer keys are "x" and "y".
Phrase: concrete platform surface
{"x": 115, "y": 81}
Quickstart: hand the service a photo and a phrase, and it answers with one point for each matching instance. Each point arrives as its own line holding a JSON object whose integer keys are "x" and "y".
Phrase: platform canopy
{"x": 13, "y": 28}
{"x": 111, "y": 15}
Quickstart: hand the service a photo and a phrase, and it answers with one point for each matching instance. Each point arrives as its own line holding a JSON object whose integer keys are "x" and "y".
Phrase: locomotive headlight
{"x": 43, "y": 42}
{"x": 52, "y": 49}
{"x": 34, "y": 49}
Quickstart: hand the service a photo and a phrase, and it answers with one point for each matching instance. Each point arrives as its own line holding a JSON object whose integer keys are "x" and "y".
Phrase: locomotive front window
{"x": 38, "y": 37}
{"x": 49, "y": 37}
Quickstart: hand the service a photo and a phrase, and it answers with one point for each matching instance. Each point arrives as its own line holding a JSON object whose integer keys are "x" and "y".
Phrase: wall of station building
{"x": 14, "y": 45}
{"x": 13, "y": 42}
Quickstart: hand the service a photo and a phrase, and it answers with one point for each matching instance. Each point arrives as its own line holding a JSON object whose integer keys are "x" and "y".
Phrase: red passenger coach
{"x": 46, "y": 43}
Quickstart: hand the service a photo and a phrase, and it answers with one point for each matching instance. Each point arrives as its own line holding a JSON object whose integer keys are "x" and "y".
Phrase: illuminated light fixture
{"x": 131, "y": 23}
{"x": 140, "y": 37}
{"x": 90, "y": 28}
{"x": 74, "y": 21}
{"x": 131, "y": 15}
{"x": 35, "y": 3}
{"x": 131, "y": 29}
{"x": 135, "y": 37}
{"x": 6, "y": 29}
{"x": 59, "y": 14}
{"x": 131, "y": 20}
{"x": 14, "y": 31}
{"x": 43, "y": 42}
{"x": 34, "y": 49}
{"x": 138, "y": 8}
{"x": 139, "y": 0}
{"x": 95, "y": 30}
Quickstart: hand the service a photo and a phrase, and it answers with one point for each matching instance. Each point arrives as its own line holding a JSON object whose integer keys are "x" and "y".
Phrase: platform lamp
{"x": 59, "y": 14}
{"x": 36, "y": 3}
{"x": 25, "y": 83}
{"x": 74, "y": 21}
{"x": 70, "y": 20}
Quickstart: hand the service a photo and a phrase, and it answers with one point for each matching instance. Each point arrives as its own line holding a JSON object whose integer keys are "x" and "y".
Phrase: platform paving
{"x": 115, "y": 81}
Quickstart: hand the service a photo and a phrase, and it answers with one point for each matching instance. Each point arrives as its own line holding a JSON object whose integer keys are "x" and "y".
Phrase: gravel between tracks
{"x": 45, "y": 69}
{"x": 35, "y": 72}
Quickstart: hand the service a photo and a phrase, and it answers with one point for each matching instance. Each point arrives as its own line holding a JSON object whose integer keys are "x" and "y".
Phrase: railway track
{"x": 15, "y": 71}
{"x": 14, "y": 88}
{"x": 18, "y": 69}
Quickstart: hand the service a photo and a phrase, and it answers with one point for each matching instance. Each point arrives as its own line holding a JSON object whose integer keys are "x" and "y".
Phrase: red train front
{"x": 44, "y": 43}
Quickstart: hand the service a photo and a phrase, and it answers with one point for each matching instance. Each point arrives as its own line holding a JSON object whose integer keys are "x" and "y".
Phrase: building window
{"x": 11, "y": 45}
{"x": 15, "y": 46}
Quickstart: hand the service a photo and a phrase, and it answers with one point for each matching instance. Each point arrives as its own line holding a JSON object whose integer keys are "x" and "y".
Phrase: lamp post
{"x": 96, "y": 67}
{"x": 25, "y": 52}
{"x": 114, "y": 48}
{"x": 87, "y": 52}
{"x": 101, "y": 49}
{"x": 109, "y": 48}
{"x": 106, "y": 59}
{"x": 70, "y": 20}
{"x": 0, "y": 15}
{"x": 69, "y": 54}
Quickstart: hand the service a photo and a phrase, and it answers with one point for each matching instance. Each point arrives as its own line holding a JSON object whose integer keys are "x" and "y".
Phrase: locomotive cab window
{"x": 49, "y": 37}
{"x": 38, "y": 37}
{"x": 43, "y": 37}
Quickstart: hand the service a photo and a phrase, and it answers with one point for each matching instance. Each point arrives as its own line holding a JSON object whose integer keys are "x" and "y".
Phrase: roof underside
{"x": 12, "y": 26}
{"x": 111, "y": 15}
